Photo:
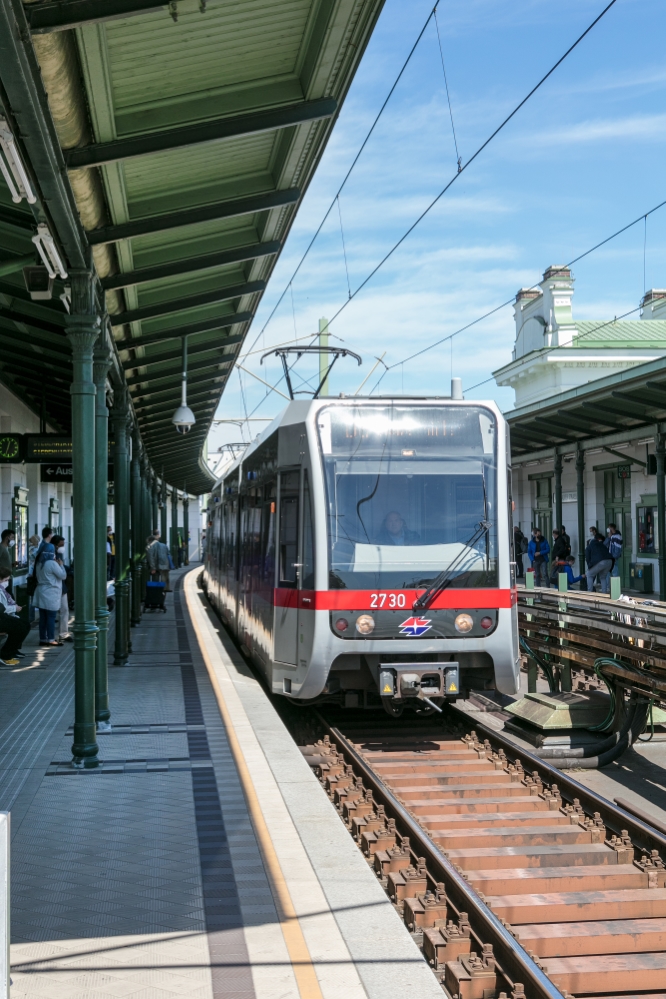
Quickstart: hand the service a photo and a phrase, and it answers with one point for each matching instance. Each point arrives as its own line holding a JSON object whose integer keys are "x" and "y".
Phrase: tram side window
{"x": 308, "y": 538}
{"x": 288, "y": 529}
{"x": 268, "y": 536}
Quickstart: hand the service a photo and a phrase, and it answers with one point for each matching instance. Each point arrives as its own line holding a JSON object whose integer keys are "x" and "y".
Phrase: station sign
{"x": 40, "y": 449}
{"x": 61, "y": 471}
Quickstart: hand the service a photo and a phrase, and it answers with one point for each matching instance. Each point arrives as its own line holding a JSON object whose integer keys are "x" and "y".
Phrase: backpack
{"x": 615, "y": 546}
{"x": 31, "y": 584}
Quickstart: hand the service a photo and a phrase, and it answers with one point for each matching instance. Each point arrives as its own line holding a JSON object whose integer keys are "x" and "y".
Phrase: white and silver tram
{"x": 361, "y": 548}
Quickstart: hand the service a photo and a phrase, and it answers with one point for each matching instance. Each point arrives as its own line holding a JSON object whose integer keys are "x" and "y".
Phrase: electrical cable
{"x": 473, "y": 157}
{"x": 549, "y": 350}
{"x": 448, "y": 97}
{"x": 353, "y": 164}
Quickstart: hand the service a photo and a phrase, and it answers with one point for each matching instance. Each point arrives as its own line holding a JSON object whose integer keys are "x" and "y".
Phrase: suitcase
{"x": 155, "y": 595}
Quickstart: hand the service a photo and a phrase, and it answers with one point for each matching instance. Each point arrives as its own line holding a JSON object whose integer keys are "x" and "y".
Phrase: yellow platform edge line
{"x": 297, "y": 948}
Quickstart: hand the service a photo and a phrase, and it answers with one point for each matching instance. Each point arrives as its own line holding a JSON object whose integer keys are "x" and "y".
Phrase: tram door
{"x": 286, "y": 602}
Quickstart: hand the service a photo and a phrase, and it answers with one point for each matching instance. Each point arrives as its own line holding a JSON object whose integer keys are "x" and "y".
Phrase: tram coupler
{"x": 419, "y": 681}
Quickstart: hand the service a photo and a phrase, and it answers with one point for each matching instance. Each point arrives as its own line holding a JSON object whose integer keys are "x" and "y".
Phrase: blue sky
{"x": 584, "y": 157}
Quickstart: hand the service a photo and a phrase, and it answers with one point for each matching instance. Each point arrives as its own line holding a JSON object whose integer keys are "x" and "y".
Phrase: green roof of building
{"x": 599, "y": 333}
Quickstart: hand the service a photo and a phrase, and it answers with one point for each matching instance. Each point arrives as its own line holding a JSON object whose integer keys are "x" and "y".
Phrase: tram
{"x": 360, "y": 551}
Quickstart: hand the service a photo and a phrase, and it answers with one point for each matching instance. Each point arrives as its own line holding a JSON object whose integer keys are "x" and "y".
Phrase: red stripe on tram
{"x": 355, "y": 600}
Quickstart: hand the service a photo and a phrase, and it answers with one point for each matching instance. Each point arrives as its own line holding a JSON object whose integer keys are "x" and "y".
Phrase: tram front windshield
{"x": 411, "y": 491}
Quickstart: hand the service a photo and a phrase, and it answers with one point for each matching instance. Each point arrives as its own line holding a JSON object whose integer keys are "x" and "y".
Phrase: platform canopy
{"x": 174, "y": 143}
{"x": 625, "y": 404}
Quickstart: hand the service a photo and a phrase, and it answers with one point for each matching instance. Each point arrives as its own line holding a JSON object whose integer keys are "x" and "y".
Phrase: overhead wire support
{"x": 344, "y": 248}
{"x": 446, "y": 85}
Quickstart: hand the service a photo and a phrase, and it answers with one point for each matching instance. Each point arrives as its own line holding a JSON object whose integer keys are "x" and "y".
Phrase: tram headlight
{"x": 342, "y": 624}
{"x": 365, "y": 624}
{"x": 464, "y": 623}
{"x": 486, "y": 623}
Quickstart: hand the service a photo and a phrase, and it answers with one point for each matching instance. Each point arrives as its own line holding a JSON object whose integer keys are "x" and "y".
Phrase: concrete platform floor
{"x": 202, "y": 859}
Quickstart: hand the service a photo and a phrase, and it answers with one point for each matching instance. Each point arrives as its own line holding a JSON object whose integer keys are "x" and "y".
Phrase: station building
{"x": 588, "y": 432}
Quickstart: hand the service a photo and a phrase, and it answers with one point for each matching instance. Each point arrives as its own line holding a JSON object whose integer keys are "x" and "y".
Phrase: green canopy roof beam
{"x": 563, "y": 427}
{"x": 35, "y": 321}
{"x": 639, "y": 405}
{"x": 184, "y": 304}
{"x": 658, "y": 387}
{"x": 617, "y": 409}
{"x": 587, "y": 425}
{"x": 152, "y": 379}
{"x": 648, "y": 397}
{"x": 215, "y": 350}
{"x": 176, "y": 332}
{"x": 229, "y": 209}
{"x": 58, "y": 15}
{"x": 144, "y": 275}
{"x": 162, "y": 396}
{"x": 230, "y": 127}
{"x": 553, "y": 428}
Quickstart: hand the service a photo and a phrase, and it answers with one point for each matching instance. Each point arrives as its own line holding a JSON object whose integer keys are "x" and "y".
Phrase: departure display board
{"x": 44, "y": 448}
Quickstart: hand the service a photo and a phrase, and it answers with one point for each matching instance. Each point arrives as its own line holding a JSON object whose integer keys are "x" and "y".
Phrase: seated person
{"x": 11, "y": 625}
{"x": 394, "y": 531}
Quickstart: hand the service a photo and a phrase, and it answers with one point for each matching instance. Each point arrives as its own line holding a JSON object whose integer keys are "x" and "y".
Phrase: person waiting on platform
{"x": 7, "y": 542}
{"x": 567, "y": 567}
{"x": 614, "y": 544}
{"x": 11, "y": 624}
{"x": 394, "y": 531}
{"x": 157, "y": 554}
{"x": 50, "y": 573}
{"x": 599, "y": 563}
{"x": 538, "y": 551}
{"x": 63, "y": 616}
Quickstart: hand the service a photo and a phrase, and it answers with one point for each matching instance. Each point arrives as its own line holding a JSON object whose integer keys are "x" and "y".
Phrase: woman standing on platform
{"x": 48, "y": 595}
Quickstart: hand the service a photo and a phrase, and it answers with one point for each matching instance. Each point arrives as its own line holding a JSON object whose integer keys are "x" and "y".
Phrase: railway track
{"x": 513, "y": 878}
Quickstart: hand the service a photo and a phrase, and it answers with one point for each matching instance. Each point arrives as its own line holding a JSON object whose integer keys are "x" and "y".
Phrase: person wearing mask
{"x": 598, "y": 562}
{"x": 519, "y": 549}
{"x": 58, "y": 543}
{"x": 11, "y": 624}
{"x": 614, "y": 543}
{"x": 7, "y": 542}
{"x": 50, "y": 573}
{"x": 157, "y": 555}
{"x": 538, "y": 551}
{"x": 559, "y": 553}
{"x": 33, "y": 548}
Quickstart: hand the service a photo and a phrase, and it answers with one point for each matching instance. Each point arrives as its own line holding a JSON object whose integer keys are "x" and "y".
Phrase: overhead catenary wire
{"x": 471, "y": 160}
{"x": 350, "y": 170}
{"x": 511, "y": 301}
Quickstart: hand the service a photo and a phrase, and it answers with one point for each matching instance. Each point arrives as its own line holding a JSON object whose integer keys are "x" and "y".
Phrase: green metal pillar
{"x": 163, "y": 511}
{"x": 135, "y": 503}
{"x": 154, "y": 497}
{"x": 145, "y": 517}
{"x": 186, "y": 527}
{"x": 661, "y": 511}
{"x": 120, "y": 418}
{"x": 101, "y": 365}
{"x": 174, "y": 526}
{"x": 558, "y": 493}
{"x": 580, "y": 503}
{"x": 83, "y": 326}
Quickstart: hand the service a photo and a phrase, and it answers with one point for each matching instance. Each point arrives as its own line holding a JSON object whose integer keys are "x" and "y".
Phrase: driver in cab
{"x": 394, "y": 531}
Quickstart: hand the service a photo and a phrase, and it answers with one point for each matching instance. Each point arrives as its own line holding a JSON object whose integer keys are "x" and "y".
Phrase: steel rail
{"x": 514, "y": 960}
{"x": 615, "y": 818}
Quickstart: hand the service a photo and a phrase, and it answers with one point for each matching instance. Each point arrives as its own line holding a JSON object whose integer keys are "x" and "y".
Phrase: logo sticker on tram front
{"x": 414, "y": 627}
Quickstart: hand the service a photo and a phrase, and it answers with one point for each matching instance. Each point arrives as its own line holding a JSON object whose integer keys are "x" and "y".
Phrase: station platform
{"x": 202, "y": 858}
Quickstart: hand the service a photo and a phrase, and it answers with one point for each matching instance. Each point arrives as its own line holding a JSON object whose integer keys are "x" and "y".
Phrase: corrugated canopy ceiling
{"x": 190, "y": 132}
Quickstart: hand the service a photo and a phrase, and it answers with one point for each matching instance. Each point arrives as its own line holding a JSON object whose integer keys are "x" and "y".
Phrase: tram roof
{"x": 175, "y": 144}
{"x": 608, "y": 410}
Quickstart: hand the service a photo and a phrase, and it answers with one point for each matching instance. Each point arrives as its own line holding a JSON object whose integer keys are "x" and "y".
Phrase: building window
{"x": 648, "y": 541}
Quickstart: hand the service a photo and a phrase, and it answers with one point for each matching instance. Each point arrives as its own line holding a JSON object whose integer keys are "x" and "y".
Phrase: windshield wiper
{"x": 442, "y": 581}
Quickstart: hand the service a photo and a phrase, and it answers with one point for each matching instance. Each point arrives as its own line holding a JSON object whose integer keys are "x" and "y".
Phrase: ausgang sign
{"x": 61, "y": 471}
